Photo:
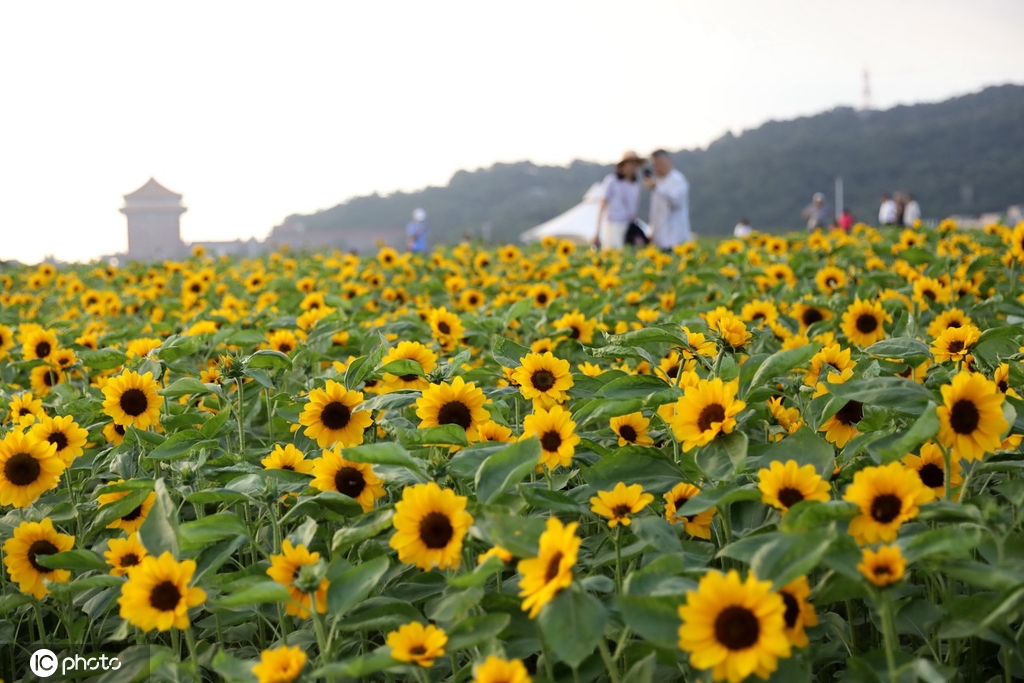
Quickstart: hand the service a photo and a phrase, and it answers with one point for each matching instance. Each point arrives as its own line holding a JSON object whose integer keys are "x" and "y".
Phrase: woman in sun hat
{"x": 620, "y": 204}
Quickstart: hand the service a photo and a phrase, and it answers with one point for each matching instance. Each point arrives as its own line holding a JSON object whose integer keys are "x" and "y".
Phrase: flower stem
{"x": 889, "y": 635}
{"x": 618, "y": 559}
{"x": 613, "y": 674}
{"x": 318, "y": 626}
{"x": 190, "y": 638}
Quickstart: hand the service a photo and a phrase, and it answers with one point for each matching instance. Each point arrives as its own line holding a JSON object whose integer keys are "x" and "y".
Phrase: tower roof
{"x": 152, "y": 190}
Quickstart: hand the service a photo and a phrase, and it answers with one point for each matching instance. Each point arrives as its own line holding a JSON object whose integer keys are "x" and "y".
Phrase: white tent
{"x": 578, "y": 224}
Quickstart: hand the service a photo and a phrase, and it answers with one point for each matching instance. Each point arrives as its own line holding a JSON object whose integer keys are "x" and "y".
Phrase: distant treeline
{"x": 964, "y": 155}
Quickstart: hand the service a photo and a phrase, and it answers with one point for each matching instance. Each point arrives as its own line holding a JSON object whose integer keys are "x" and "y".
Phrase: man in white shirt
{"x": 911, "y": 212}
{"x": 887, "y": 211}
{"x": 669, "y": 215}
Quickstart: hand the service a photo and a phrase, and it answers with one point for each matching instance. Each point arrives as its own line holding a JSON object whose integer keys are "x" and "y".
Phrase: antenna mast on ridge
{"x": 866, "y": 93}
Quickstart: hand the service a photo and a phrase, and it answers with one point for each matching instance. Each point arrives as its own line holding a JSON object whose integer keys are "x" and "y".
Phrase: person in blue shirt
{"x": 416, "y": 232}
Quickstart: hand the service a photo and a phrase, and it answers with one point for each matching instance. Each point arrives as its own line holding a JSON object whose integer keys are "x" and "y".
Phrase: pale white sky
{"x": 256, "y": 110}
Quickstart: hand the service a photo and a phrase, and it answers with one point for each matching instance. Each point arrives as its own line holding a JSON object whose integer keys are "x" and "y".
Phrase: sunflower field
{"x": 783, "y": 458}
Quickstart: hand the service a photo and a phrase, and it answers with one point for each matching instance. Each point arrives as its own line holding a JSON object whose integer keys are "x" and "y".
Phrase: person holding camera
{"x": 669, "y": 215}
{"x": 621, "y": 203}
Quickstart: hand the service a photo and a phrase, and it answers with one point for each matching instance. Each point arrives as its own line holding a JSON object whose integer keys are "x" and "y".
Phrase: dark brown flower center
{"x": 789, "y": 496}
{"x": 129, "y": 560}
{"x": 119, "y": 429}
{"x": 165, "y": 596}
{"x": 21, "y": 469}
{"x": 542, "y": 380}
{"x": 628, "y": 432}
{"x": 886, "y": 507}
{"x": 134, "y": 402}
{"x": 866, "y": 323}
{"x": 576, "y": 332}
{"x": 436, "y": 530}
{"x": 551, "y": 441}
{"x": 955, "y": 346}
{"x": 42, "y": 548}
{"x": 737, "y": 628}
{"x": 882, "y": 570}
{"x": 43, "y": 349}
{"x": 932, "y": 476}
{"x": 710, "y": 414}
{"x": 621, "y": 510}
{"x": 335, "y": 415}
{"x": 455, "y": 413}
{"x": 851, "y": 413}
{"x": 418, "y": 650}
{"x": 444, "y": 328}
{"x": 133, "y": 515}
{"x": 60, "y": 439}
{"x": 350, "y": 481}
{"x": 553, "y": 566}
{"x": 284, "y": 347}
{"x": 792, "y": 609}
{"x": 409, "y": 378}
{"x": 964, "y": 416}
{"x": 50, "y": 377}
{"x": 811, "y": 316}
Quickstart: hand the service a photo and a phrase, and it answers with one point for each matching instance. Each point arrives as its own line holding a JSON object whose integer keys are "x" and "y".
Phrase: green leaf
{"x": 507, "y": 352}
{"x": 102, "y": 359}
{"x": 924, "y": 428}
{"x": 181, "y": 444}
{"x": 948, "y": 542}
{"x": 779, "y": 364}
{"x": 359, "y": 667}
{"x": 519, "y": 535}
{"x": 479, "y": 576}
{"x": 73, "y": 559}
{"x": 385, "y": 453}
{"x": 654, "y": 470}
{"x": 324, "y": 501}
{"x": 669, "y": 333}
{"x": 159, "y": 533}
{"x": 505, "y": 469}
{"x": 789, "y": 556}
{"x": 354, "y": 585}
{"x": 187, "y": 386}
{"x": 902, "y": 348}
{"x": 601, "y": 409}
{"x": 473, "y": 631}
{"x": 643, "y": 670}
{"x": 257, "y": 594}
{"x": 720, "y": 495}
{"x": 806, "y": 448}
{"x": 267, "y": 358}
{"x": 572, "y": 624}
{"x": 403, "y": 367}
{"x": 655, "y": 618}
{"x": 118, "y": 509}
{"x": 883, "y": 391}
{"x": 212, "y": 528}
{"x": 808, "y": 515}
{"x": 723, "y": 457}
{"x": 443, "y": 435}
{"x": 362, "y": 367}
{"x": 177, "y": 347}
{"x": 657, "y": 533}
{"x": 633, "y": 386}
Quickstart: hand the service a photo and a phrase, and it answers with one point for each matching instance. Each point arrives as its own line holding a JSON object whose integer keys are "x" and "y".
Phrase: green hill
{"x": 963, "y": 155}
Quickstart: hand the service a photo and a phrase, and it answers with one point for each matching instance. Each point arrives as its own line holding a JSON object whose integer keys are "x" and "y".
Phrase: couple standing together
{"x": 669, "y": 216}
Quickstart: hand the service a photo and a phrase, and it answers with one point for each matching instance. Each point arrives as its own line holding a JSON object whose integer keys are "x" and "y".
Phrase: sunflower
{"x": 580, "y": 328}
{"x": 39, "y": 344}
{"x": 736, "y": 628}
{"x": 760, "y": 312}
{"x": 24, "y": 409}
{"x": 835, "y": 360}
{"x": 620, "y": 504}
{"x": 284, "y": 341}
{"x": 416, "y": 353}
{"x": 1001, "y": 376}
{"x": 44, "y": 377}
{"x": 114, "y": 433}
{"x": 953, "y": 343}
{"x": 493, "y": 432}
{"x": 829, "y": 279}
{"x": 698, "y": 525}
{"x": 418, "y": 644}
{"x": 842, "y": 426}
{"x": 459, "y": 403}
{"x": 430, "y": 524}
{"x": 807, "y": 315}
{"x": 497, "y": 670}
{"x": 498, "y": 552}
{"x": 706, "y": 410}
{"x": 931, "y": 469}
{"x": 888, "y": 496}
{"x": 631, "y": 429}
{"x": 784, "y": 485}
{"x": 6, "y": 340}
{"x": 30, "y": 541}
{"x": 951, "y": 317}
{"x": 787, "y": 418}
{"x": 287, "y": 458}
{"x": 557, "y": 434}
{"x": 971, "y": 421}
{"x": 332, "y": 416}
{"x": 131, "y": 399}
{"x": 928, "y": 290}
{"x": 280, "y": 665}
{"x": 590, "y": 369}
{"x": 543, "y": 379}
{"x": 542, "y": 577}
{"x": 446, "y": 328}
{"x": 140, "y": 348}
{"x": 799, "y": 612}
{"x": 28, "y": 468}
{"x": 124, "y": 554}
{"x": 863, "y": 322}
{"x": 131, "y": 522}
{"x": 285, "y": 568}
{"x": 64, "y": 433}
{"x": 884, "y": 566}
{"x": 353, "y": 479}
{"x": 542, "y": 294}
{"x": 157, "y": 594}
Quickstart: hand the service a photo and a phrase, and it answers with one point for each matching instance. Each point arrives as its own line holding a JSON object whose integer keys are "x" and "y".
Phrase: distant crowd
{"x": 896, "y": 209}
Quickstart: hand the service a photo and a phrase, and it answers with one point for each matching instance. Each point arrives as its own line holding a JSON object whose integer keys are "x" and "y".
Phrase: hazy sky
{"x": 257, "y": 110}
